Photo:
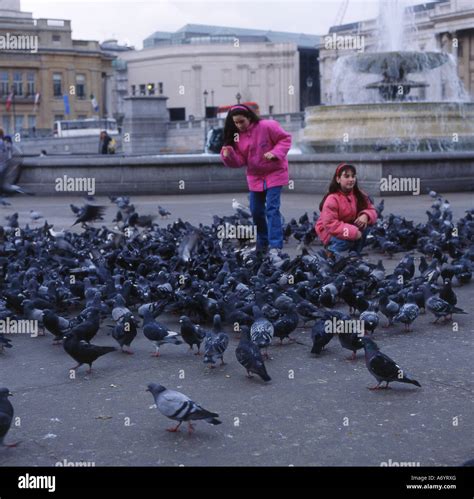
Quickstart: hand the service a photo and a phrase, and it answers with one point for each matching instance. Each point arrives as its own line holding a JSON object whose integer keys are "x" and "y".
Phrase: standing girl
{"x": 346, "y": 212}
{"x": 261, "y": 146}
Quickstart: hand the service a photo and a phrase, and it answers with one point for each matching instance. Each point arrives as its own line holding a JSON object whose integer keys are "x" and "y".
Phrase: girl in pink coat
{"x": 261, "y": 146}
{"x": 346, "y": 212}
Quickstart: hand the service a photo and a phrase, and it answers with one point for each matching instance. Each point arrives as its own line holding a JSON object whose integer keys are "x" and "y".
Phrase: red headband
{"x": 340, "y": 166}
{"x": 238, "y": 107}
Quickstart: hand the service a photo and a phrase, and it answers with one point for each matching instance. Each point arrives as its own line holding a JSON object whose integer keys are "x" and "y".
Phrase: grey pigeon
{"x": 408, "y": 313}
{"x": 441, "y": 308}
{"x": 157, "y": 333}
{"x": 320, "y": 336}
{"x": 249, "y": 356}
{"x": 215, "y": 344}
{"x": 382, "y": 367}
{"x": 388, "y": 307}
{"x": 6, "y": 416}
{"x": 179, "y": 407}
{"x": 261, "y": 330}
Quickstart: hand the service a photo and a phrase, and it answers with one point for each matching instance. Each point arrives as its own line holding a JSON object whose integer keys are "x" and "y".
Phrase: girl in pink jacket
{"x": 346, "y": 212}
{"x": 261, "y": 146}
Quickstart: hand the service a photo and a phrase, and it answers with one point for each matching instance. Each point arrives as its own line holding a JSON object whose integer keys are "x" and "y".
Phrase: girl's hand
{"x": 359, "y": 234}
{"x": 269, "y": 155}
{"x": 362, "y": 221}
{"x": 225, "y": 151}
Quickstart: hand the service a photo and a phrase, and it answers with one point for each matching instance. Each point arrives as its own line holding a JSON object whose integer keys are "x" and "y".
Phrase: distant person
{"x": 262, "y": 146}
{"x": 104, "y": 141}
{"x": 346, "y": 213}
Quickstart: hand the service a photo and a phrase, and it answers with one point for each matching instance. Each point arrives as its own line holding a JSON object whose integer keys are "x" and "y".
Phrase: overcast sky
{"x": 132, "y": 21}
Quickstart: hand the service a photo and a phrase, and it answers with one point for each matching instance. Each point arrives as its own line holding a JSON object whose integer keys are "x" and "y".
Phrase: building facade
{"x": 200, "y": 68}
{"x": 54, "y": 78}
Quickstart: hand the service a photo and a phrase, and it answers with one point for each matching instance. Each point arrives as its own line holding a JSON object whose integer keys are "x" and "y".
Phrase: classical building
{"x": 202, "y": 67}
{"x": 45, "y": 75}
{"x": 443, "y": 25}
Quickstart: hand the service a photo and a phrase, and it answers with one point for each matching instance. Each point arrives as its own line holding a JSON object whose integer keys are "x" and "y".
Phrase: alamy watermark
{"x": 400, "y": 184}
{"x": 20, "y": 326}
{"x": 346, "y": 42}
{"x": 399, "y": 463}
{"x": 229, "y": 231}
{"x": 75, "y": 184}
{"x": 340, "y": 326}
{"x": 15, "y": 41}
{"x": 65, "y": 462}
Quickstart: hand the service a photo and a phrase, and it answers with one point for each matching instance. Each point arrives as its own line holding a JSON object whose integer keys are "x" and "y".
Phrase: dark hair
{"x": 229, "y": 127}
{"x": 335, "y": 187}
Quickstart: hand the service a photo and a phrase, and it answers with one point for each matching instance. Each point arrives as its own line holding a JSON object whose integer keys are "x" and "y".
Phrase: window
{"x": 4, "y": 85}
{"x": 177, "y": 113}
{"x": 18, "y": 123}
{"x": 6, "y": 124}
{"x": 31, "y": 121}
{"x": 142, "y": 90}
{"x": 80, "y": 87}
{"x": 30, "y": 84}
{"x": 57, "y": 80}
{"x": 58, "y": 117}
{"x": 160, "y": 88}
{"x": 82, "y": 116}
{"x": 133, "y": 89}
{"x": 18, "y": 83}
{"x": 56, "y": 38}
{"x": 151, "y": 88}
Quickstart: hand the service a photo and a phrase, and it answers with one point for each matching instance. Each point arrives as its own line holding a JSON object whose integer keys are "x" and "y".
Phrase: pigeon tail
{"x": 213, "y": 421}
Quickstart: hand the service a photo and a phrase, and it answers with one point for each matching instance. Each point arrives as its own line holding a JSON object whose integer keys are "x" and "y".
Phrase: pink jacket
{"x": 337, "y": 217}
{"x": 260, "y": 138}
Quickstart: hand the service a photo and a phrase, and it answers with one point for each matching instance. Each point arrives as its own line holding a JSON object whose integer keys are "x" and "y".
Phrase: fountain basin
{"x": 390, "y": 126}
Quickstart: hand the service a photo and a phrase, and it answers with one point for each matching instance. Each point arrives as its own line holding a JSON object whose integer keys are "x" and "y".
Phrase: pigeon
{"x": 261, "y": 330}
{"x": 286, "y": 324}
{"x": 191, "y": 334}
{"x": 441, "y": 308}
{"x": 157, "y": 333}
{"x": 124, "y": 332}
{"x": 352, "y": 342}
{"x": 179, "y": 407}
{"x": 249, "y": 356}
{"x": 408, "y": 313}
{"x": 447, "y": 293}
{"x": 382, "y": 367}
{"x": 388, "y": 307}
{"x": 82, "y": 352}
{"x": 216, "y": 343}
{"x": 35, "y": 215}
{"x": 319, "y": 336}
{"x": 87, "y": 329}
{"x": 370, "y": 319}
{"x": 55, "y": 324}
{"x": 5, "y": 342}
{"x": 6, "y": 416}
{"x": 163, "y": 213}
{"x": 89, "y": 213}
{"x": 241, "y": 209}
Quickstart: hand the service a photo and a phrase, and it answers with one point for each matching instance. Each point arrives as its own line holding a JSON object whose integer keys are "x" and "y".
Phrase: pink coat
{"x": 260, "y": 138}
{"x": 338, "y": 213}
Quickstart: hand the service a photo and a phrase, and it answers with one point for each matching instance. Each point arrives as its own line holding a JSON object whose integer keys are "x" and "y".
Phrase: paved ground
{"x": 316, "y": 411}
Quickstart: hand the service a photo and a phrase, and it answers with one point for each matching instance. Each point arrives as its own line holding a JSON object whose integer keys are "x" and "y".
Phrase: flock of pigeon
{"x": 72, "y": 281}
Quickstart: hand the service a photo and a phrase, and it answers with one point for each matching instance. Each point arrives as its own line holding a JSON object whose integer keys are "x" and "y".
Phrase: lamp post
{"x": 205, "y": 93}
{"x": 238, "y": 97}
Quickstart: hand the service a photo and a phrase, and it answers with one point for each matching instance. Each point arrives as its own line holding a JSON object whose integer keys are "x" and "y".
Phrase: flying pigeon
{"x": 178, "y": 407}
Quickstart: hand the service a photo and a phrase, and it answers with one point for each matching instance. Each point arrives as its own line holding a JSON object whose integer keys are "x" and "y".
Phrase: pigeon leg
{"x": 128, "y": 352}
{"x": 198, "y": 352}
{"x": 157, "y": 352}
{"x": 89, "y": 371}
{"x": 436, "y": 320}
{"x": 249, "y": 375}
{"x": 377, "y": 387}
{"x": 12, "y": 445}
{"x": 222, "y": 361}
{"x": 352, "y": 357}
{"x": 175, "y": 429}
{"x": 190, "y": 427}
{"x": 75, "y": 367}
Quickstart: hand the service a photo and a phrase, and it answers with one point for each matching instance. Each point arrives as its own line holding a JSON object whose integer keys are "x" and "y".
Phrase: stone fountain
{"x": 393, "y": 101}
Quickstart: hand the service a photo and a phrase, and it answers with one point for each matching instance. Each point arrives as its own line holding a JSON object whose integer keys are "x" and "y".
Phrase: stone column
{"x": 145, "y": 124}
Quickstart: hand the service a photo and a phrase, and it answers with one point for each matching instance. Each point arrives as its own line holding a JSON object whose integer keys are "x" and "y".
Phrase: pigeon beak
{"x": 10, "y": 394}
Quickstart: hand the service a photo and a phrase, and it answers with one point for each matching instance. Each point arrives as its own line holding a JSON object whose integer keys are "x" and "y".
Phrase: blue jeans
{"x": 341, "y": 245}
{"x": 267, "y": 218}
